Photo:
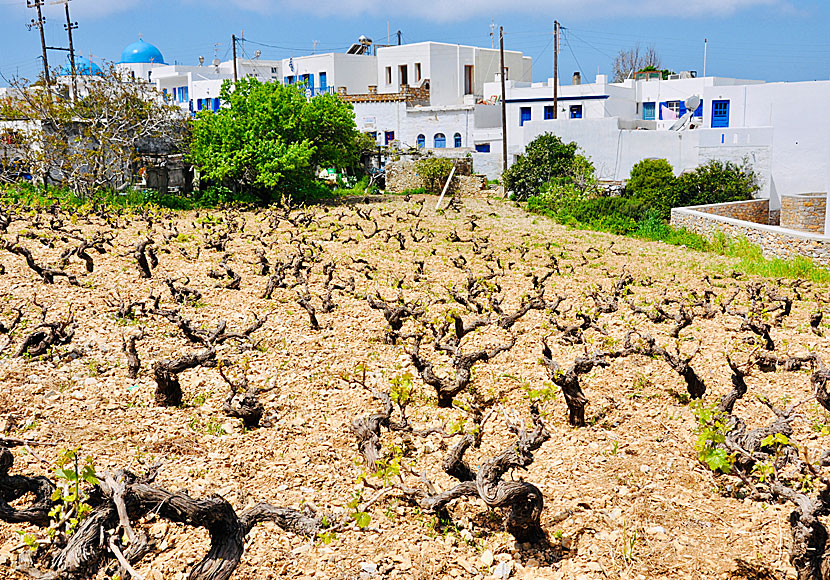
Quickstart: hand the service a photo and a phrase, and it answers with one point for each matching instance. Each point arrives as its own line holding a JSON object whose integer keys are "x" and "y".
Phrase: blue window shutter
{"x": 216, "y": 104}
{"x": 323, "y": 81}
{"x": 483, "y": 148}
{"x": 548, "y": 112}
{"x": 422, "y": 141}
{"x": 649, "y": 111}
{"x": 457, "y": 139}
{"x": 440, "y": 141}
{"x": 524, "y": 115}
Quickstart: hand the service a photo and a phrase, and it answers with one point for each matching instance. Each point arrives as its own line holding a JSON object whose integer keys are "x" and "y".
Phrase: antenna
{"x": 201, "y": 60}
{"x": 692, "y": 103}
{"x": 314, "y": 49}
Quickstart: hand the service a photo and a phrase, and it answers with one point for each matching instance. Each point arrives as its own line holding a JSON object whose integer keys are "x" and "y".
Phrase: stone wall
{"x": 804, "y": 212}
{"x": 754, "y": 210}
{"x": 774, "y": 241}
{"x": 401, "y": 176}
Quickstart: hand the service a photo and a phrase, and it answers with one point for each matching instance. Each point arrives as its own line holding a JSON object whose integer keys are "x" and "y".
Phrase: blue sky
{"x": 774, "y": 40}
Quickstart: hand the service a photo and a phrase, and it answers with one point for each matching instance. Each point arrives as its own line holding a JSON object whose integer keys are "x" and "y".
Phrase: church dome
{"x": 141, "y": 52}
{"x": 83, "y": 66}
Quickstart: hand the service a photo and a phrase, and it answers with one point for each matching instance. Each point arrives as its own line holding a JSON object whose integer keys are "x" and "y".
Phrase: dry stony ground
{"x": 625, "y": 496}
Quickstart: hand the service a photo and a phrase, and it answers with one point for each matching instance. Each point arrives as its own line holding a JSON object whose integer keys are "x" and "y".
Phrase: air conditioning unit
{"x": 675, "y": 77}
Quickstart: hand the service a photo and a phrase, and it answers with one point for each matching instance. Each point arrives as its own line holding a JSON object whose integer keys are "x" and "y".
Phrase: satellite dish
{"x": 201, "y": 60}
{"x": 692, "y": 103}
{"x": 216, "y": 62}
{"x": 258, "y": 54}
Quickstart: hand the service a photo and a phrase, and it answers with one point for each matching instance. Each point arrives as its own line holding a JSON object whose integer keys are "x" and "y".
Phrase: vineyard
{"x": 376, "y": 389}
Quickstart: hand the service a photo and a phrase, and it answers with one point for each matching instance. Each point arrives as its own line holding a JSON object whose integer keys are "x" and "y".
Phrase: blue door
{"x": 720, "y": 114}
{"x": 524, "y": 115}
{"x": 323, "y": 82}
{"x": 440, "y": 141}
{"x": 457, "y": 140}
{"x": 649, "y": 111}
{"x": 422, "y": 141}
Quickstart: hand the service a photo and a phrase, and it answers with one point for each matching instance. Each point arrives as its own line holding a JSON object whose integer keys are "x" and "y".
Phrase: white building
{"x": 771, "y": 125}
{"x": 195, "y": 87}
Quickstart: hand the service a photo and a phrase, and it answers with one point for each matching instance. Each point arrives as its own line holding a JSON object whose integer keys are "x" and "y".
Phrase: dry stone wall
{"x": 804, "y": 212}
{"x": 774, "y": 241}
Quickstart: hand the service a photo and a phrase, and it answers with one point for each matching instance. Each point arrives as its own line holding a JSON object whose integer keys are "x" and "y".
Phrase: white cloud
{"x": 443, "y": 10}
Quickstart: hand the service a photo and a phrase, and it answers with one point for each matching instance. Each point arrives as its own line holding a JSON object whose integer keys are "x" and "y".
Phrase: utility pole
{"x": 555, "y": 69}
{"x": 39, "y": 23}
{"x": 503, "y": 103}
{"x": 69, "y": 27}
{"x": 235, "y": 74}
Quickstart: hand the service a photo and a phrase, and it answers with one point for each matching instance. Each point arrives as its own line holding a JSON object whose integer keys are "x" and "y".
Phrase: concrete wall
{"x": 775, "y": 242}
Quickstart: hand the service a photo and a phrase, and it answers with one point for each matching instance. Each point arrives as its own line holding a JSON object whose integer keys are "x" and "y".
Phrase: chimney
{"x": 577, "y": 78}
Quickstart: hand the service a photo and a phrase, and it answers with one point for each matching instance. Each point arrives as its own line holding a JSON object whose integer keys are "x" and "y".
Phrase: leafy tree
{"x": 547, "y": 158}
{"x": 90, "y": 143}
{"x": 652, "y": 182}
{"x": 269, "y": 139}
{"x": 634, "y": 60}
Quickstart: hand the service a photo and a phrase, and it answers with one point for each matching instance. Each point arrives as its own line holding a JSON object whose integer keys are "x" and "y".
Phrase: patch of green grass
{"x": 750, "y": 257}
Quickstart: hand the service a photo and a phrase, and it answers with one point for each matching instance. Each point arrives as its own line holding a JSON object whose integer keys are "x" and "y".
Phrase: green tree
{"x": 269, "y": 139}
{"x": 547, "y": 158}
{"x": 652, "y": 182}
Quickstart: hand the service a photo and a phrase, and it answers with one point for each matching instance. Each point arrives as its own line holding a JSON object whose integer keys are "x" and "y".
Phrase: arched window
{"x": 457, "y": 140}
{"x": 422, "y": 141}
{"x": 440, "y": 141}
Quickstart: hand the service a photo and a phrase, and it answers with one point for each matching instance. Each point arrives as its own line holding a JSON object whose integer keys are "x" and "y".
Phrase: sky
{"x": 772, "y": 40}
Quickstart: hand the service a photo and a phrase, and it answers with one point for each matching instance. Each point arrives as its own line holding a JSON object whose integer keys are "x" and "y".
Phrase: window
{"x": 482, "y": 148}
{"x": 440, "y": 141}
{"x": 388, "y": 137}
{"x": 417, "y": 72}
{"x": 720, "y": 114}
{"x": 576, "y": 111}
{"x": 274, "y": 70}
{"x": 389, "y": 75}
{"x": 403, "y": 74}
{"x": 548, "y": 112}
{"x": 670, "y": 110}
{"x": 289, "y": 80}
{"x": 216, "y": 104}
{"x": 323, "y": 81}
{"x": 524, "y": 115}
{"x": 373, "y": 135}
{"x": 422, "y": 141}
{"x": 198, "y": 104}
{"x": 468, "y": 79}
{"x": 457, "y": 139}
{"x": 649, "y": 111}
{"x": 507, "y": 73}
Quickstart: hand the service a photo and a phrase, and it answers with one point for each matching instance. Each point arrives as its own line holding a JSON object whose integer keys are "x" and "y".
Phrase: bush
{"x": 545, "y": 159}
{"x": 716, "y": 182}
{"x": 434, "y": 171}
{"x": 652, "y": 182}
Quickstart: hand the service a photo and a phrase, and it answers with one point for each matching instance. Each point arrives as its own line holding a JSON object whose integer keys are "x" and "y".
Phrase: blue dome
{"x": 141, "y": 52}
{"x": 83, "y": 66}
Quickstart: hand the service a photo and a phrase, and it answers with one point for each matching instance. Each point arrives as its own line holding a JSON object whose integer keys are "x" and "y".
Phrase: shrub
{"x": 547, "y": 158}
{"x": 652, "y": 182}
{"x": 434, "y": 171}
{"x": 716, "y": 182}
